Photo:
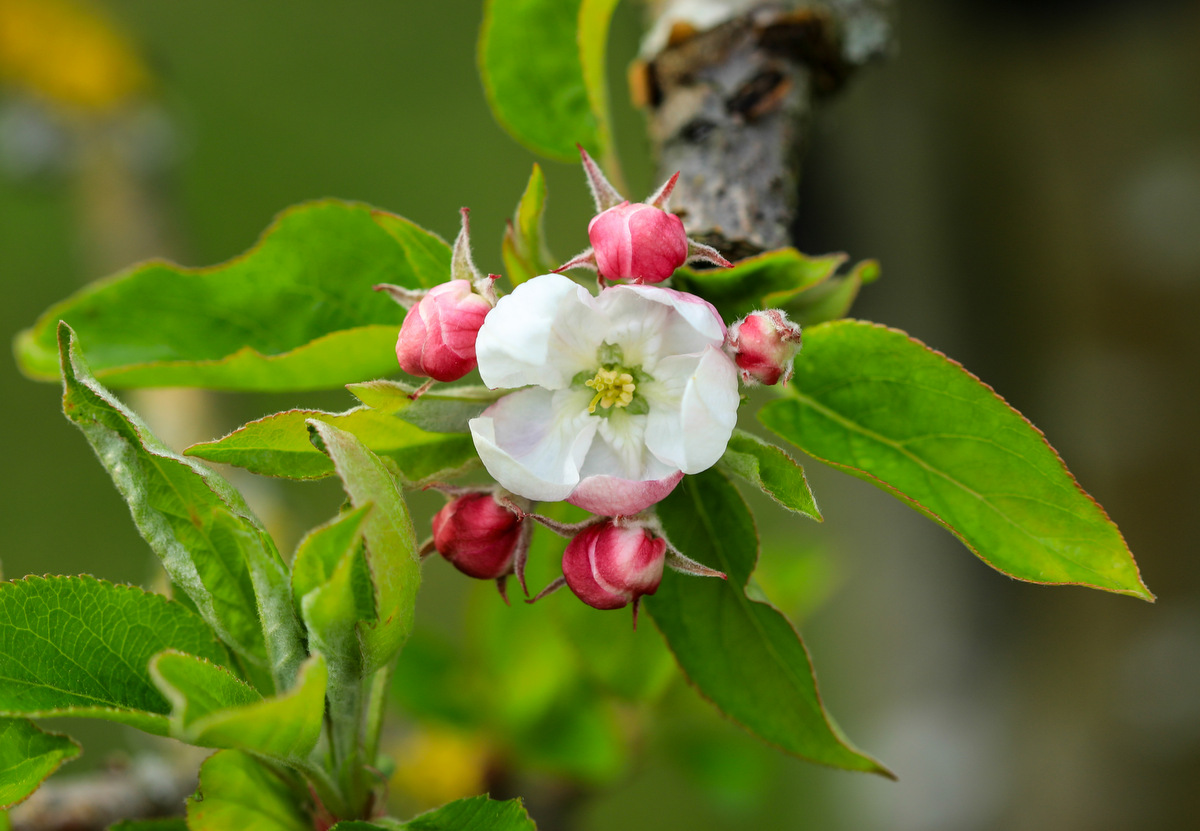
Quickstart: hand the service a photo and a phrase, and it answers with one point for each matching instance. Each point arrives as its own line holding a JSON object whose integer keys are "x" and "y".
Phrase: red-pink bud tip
{"x": 478, "y": 535}
{"x": 638, "y": 242}
{"x": 437, "y": 339}
{"x": 763, "y": 345}
{"x": 608, "y": 566}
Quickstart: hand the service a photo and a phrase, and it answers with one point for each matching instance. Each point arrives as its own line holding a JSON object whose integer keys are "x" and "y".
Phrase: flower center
{"x": 613, "y": 388}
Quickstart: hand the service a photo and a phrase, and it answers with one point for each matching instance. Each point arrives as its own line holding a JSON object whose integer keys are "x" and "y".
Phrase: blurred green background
{"x": 1027, "y": 173}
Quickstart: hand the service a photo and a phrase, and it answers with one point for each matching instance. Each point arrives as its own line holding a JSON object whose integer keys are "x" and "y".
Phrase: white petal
{"x": 543, "y": 333}
{"x": 651, "y": 323}
{"x": 534, "y": 441}
{"x": 693, "y": 409}
{"x": 619, "y": 449}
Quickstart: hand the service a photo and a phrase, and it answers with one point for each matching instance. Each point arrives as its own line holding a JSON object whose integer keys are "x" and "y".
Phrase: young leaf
{"x": 524, "y": 245}
{"x": 391, "y": 546}
{"x": 209, "y": 541}
{"x": 740, "y": 653}
{"x": 832, "y": 299}
{"x": 441, "y": 409}
{"x": 239, "y": 792}
{"x": 765, "y": 281}
{"x": 212, "y": 708}
{"x": 27, "y": 757}
{"x": 475, "y": 813}
{"x": 324, "y": 551}
{"x": 278, "y": 445}
{"x": 886, "y": 408}
{"x": 772, "y": 470}
{"x": 77, "y": 646}
{"x": 295, "y": 312}
{"x": 533, "y": 74}
{"x": 163, "y": 824}
{"x": 426, "y": 257}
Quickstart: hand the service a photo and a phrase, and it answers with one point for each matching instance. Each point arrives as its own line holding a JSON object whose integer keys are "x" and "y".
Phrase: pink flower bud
{"x": 763, "y": 345}
{"x": 477, "y": 535}
{"x": 608, "y": 565}
{"x": 437, "y": 339}
{"x": 638, "y": 242}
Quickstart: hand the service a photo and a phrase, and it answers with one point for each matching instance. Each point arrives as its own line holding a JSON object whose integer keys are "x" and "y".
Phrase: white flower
{"x": 624, "y": 393}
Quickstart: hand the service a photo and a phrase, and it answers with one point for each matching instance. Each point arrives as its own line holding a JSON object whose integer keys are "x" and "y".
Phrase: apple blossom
{"x": 763, "y": 345}
{"x": 437, "y": 338}
{"x": 624, "y": 393}
{"x": 642, "y": 242}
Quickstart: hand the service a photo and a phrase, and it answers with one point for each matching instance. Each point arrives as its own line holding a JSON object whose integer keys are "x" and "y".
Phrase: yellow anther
{"x": 612, "y": 389}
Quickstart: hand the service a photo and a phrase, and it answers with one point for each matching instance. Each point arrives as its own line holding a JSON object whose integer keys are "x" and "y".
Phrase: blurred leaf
{"x": 27, "y": 756}
{"x": 886, "y": 408}
{"x": 425, "y": 255}
{"x": 77, "y": 646}
{"x": 476, "y": 813}
{"x": 765, "y": 281}
{"x": 524, "y": 244}
{"x": 391, "y": 546}
{"x": 239, "y": 792}
{"x": 741, "y": 654}
{"x": 832, "y": 299}
{"x": 212, "y": 708}
{"x": 295, "y": 312}
{"x": 441, "y": 409}
{"x": 278, "y": 445}
{"x": 209, "y": 541}
{"x": 533, "y": 74}
{"x": 164, "y": 824}
{"x": 771, "y": 469}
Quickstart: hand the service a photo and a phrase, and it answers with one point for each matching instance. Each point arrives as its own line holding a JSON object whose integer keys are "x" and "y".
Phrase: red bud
{"x": 607, "y": 566}
{"x": 478, "y": 535}
{"x": 638, "y": 242}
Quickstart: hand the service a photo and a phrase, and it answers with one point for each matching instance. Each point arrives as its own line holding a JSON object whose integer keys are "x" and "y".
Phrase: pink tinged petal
{"x": 629, "y": 560}
{"x": 580, "y": 576}
{"x": 437, "y": 338}
{"x": 614, "y": 496}
{"x": 542, "y": 334}
{"x": 533, "y": 442}
{"x": 692, "y": 434}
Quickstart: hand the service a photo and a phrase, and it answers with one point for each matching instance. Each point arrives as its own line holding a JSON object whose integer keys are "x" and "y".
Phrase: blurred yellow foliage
{"x": 66, "y": 51}
{"x": 438, "y": 765}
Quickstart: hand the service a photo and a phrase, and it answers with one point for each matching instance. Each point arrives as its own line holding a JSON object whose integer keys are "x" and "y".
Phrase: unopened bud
{"x": 608, "y": 566}
{"x": 437, "y": 339}
{"x": 763, "y": 345}
{"x": 638, "y": 242}
{"x": 478, "y": 535}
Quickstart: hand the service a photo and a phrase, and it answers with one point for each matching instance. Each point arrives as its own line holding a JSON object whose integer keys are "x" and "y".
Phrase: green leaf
{"x": 278, "y": 445}
{"x": 765, "y": 281}
{"x": 391, "y": 546}
{"x": 426, "y": 257}
{"x": 533, "y": 74}
{"x": 475, "y": 813}
{"x": 331, "y": 547}
{"x": 209, "y": 541}
{"x": 77, "y": 646}
{"x": 524, "y": 245}
{"x": 886, "y": 408}
{"x": 295, "y": 312}
{"x": 440, "y": 409}
{"x": 27, "y": 756}
{"x": 239, "y": 792}
{"x": 740, "y": 653}
{"x": 772, "y": 470}
{"x": 832, "y": 299}
{"x": 212, "y": 708}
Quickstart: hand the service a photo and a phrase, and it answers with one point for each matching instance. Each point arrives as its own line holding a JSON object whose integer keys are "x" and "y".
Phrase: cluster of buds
{"x": 614, "y": 560}
{"x": 437, "y": 338}
{"x": 763, "y": 345}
